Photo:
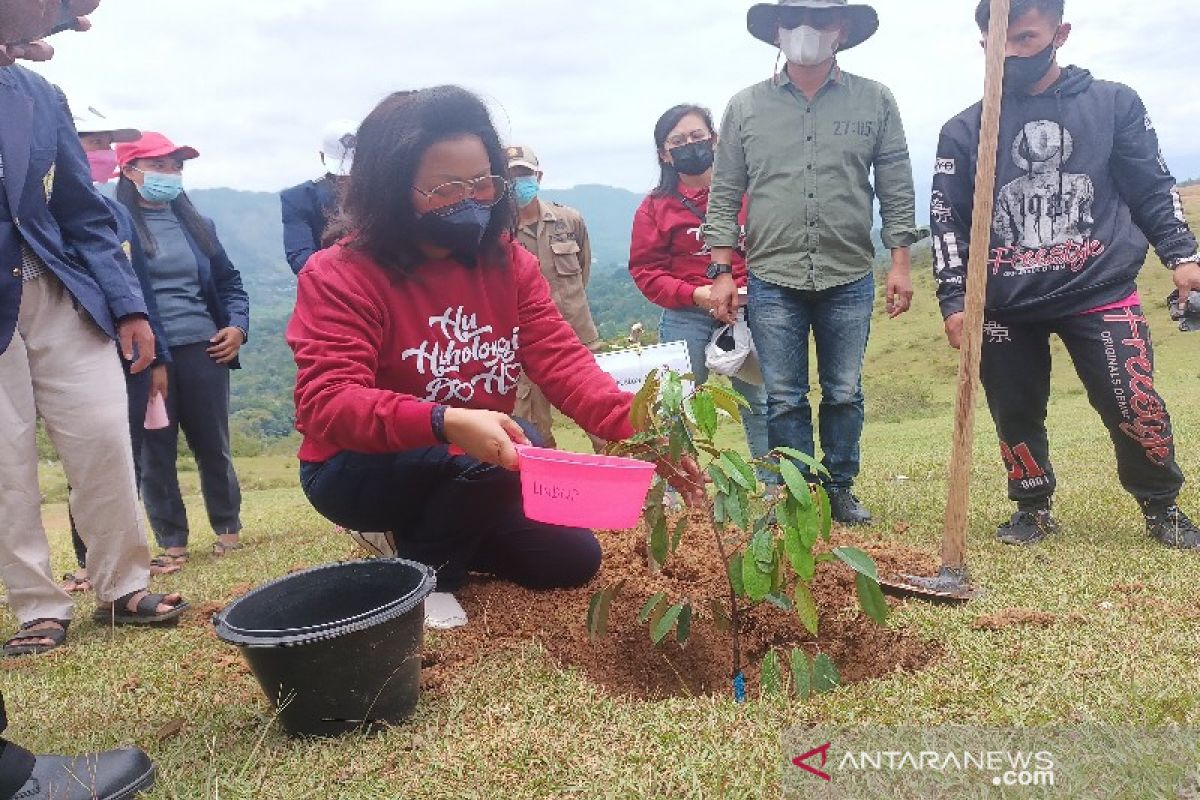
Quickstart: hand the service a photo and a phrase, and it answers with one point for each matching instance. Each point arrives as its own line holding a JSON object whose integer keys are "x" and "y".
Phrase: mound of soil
{"x": 626, "y": 663}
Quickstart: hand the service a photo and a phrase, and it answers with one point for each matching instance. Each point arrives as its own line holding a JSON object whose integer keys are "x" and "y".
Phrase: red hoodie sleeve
{"x": 650, "y": 262}
{"x": 335, "y": 334}
{"x": 561, "y": 366}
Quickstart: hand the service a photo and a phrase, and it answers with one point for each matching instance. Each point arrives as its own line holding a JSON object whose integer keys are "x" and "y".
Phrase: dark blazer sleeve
{"x": 298, "y": 240}
{"x": 230, "y": 291}
{"x": 88, "y": 227}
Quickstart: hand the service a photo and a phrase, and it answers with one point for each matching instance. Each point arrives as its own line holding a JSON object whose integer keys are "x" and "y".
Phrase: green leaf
{"x": 719, "y": 615}
{"x": 729, "y": 467}
{"x": 827, "y": 558}
{"x": 858, "y": 561}
{"x": 808, "y": 525}
{"x": 723, "y": 394}
{"x": 801, "y": 674}
{"x": 659, "y": 611}
{"x": 780, "y": 601}
{"x": 742, "y": 467}
{"x": 684, "y": 628}
{"x": 826, "y": 513}
{"x": 719, "y": 479}
{"x": 679, "y": 440}
{"x": 651, "y": 605}
{"x": 804, "y": 458}
{"x": 756, "y": 579}
{"x": 735, "y": 507}
{"x": 720, "y": 512}
{"x": 665, "y": 623}
{"x": 806, "y": 607}
{"x": 735, "y": 574}
{"x": 643, "y": 402}
{"x": 672, "y": 394}
{"x": 704, "y": 409}
{"x": 797, "y": 486}
{"x": 825, "y": 674}
{"x": 660, "y": 543}
{"x": 598, "y": 609}
{"x": 770, "y": 674}
{"x": 680, "y": 529}
{"x": 798, "y": 553}
{"x": 870, "y": 597}
{"x": 805, "y": 565}
{"x": 762, "y": 548}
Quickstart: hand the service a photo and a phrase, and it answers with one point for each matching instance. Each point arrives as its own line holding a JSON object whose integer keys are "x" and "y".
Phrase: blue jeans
{"x": 695, "y": 327}
{"x": 453, "y": 513}
{"x": 840, "y": 321}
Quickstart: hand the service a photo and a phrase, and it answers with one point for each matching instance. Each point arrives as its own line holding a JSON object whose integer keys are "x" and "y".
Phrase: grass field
{"x": 1123, "y": 648}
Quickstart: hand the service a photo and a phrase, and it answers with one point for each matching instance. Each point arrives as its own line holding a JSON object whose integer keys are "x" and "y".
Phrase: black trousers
{"x": 1114, "y": 359}
{"x": 16, "y": 763}
{"x": 197, "y": 402}
{"x": 453, "y": 513}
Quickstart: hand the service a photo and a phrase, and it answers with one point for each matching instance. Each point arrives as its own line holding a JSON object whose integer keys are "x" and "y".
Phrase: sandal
{"x": 167, "y": 564}
{"x": 73, "y": 584}
{"x": 145, "y": 613}
{"x": 221, "y": 549}
{"x": 33, "y": 638}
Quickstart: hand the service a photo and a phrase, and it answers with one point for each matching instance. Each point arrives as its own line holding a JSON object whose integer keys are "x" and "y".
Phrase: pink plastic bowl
{"x": 579, "y": 490}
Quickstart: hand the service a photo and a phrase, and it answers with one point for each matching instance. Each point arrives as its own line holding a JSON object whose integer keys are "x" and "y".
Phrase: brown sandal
{"x": 73, "y": 584}
{"x": 167, "y": 564}
{"x": 144, "y": 613}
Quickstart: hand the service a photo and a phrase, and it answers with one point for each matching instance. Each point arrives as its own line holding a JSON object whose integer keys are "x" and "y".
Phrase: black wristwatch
{"x": 714, "y": 270}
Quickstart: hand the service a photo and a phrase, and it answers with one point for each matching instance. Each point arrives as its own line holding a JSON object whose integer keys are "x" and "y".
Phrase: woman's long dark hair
{"x": 378, "y": 213}
{"x": 668, "y": 179}
{"x": 189, "y": 218}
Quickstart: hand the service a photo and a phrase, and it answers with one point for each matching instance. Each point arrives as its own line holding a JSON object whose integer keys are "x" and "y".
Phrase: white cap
{"x": 337, "y": 146}
{"x": 89, "y": 119}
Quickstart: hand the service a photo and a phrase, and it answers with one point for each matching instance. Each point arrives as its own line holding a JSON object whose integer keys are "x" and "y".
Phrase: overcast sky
{"x": 250, "y": 83}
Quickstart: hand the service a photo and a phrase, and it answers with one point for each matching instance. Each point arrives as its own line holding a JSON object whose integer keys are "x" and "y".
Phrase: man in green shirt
{"x": 801, "y": 148}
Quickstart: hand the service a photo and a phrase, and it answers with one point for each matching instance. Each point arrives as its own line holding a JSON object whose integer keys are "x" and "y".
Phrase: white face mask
{"x": 808, "y": 46}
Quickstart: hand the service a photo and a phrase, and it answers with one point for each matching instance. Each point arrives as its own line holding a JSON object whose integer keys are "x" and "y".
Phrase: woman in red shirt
{"x": 410, "y": 335}
{"x": 669, "y": 259}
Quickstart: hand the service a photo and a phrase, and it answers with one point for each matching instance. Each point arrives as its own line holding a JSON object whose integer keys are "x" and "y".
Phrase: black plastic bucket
{"x": 336, "y": 648}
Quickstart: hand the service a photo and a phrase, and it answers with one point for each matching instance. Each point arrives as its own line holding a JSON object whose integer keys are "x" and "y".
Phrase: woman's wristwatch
{"x": 1179, "y": 262}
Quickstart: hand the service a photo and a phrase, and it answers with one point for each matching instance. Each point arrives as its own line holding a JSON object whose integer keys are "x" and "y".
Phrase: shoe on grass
{"x": 443, "y": 612}
{"x": 119, "y": 774}
{"x": 1027, "y": 526}
{"x": 846, "y": 509}
{"x": 1171, "y": 527}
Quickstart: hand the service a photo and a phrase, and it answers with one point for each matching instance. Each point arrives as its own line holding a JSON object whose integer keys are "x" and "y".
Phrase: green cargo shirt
{"x": 805, "y": 167}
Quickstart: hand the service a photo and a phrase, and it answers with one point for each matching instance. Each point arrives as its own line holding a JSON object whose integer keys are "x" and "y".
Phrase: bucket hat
{"x": 763, "y": 19}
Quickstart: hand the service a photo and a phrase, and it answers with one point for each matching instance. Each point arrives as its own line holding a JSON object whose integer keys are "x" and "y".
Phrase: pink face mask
{"x": 104, "y": 165}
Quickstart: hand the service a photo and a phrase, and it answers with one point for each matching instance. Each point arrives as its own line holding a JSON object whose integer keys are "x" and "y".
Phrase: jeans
{"x": 840, "y": 321}
{"x": 197, "y": 402}
{"x": 452, "y": 513}
{"x": 695, "y": 327}
{"x": 1114, "y": 359}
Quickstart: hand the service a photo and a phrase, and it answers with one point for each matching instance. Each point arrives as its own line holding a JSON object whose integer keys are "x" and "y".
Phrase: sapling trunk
{"x": 735, "y": 613}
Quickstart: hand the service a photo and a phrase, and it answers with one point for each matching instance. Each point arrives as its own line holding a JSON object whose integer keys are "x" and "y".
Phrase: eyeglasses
{"x": 487, "y": 191}
{"x": 823, "y": 19}
{"x": 680, "y": 139}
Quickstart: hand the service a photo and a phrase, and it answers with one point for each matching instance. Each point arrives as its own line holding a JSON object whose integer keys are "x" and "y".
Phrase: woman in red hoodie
{"x": 669, "y": 259}
{"x": 410, "y": 335}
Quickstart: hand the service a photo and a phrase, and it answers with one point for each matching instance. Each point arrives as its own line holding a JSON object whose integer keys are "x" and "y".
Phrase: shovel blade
{"x": 950, "y": 586}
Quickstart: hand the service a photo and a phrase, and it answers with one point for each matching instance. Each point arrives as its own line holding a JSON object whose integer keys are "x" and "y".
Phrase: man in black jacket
{"x": 308, "y": 208}
{"x": 1082, "y": 190}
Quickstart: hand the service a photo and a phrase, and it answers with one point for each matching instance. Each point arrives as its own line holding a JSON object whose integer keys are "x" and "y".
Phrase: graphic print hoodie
{"x": 1080, "y": 187}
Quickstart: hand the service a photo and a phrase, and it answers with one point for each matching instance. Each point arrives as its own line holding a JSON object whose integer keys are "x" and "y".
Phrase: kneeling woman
{"x": 410, "y": 335}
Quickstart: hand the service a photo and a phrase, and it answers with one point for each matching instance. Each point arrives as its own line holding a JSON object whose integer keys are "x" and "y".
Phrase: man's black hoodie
{"x": 1080, "y": 187}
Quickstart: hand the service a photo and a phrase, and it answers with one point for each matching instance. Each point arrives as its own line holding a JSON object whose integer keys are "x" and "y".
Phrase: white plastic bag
{"x": 731, "y": 352}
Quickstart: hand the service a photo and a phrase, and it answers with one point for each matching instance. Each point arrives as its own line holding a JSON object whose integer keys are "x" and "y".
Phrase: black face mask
{"x": 460, "y": 231}
{"x": 694, "y": 158}
{"x": 1022, "y": 72}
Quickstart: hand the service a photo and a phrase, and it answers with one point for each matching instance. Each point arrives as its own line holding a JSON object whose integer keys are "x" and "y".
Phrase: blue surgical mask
{"x": 525, "y": 190}
{"x": 160, "y": 187}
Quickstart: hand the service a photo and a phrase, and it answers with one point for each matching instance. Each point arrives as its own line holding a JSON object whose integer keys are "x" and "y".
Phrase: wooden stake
{"x": 958, "y": 502}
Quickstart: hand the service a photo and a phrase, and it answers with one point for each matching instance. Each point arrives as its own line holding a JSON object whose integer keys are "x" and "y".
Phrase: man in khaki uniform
{"x": 558, "y": 237}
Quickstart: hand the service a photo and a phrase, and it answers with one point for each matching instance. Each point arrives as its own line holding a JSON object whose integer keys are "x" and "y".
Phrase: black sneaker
{"x": 1172, "y": 527}
{"x": 111, "y": 775}
{"x": 1027, "y": 526}
{"x": 846, "y": 509}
